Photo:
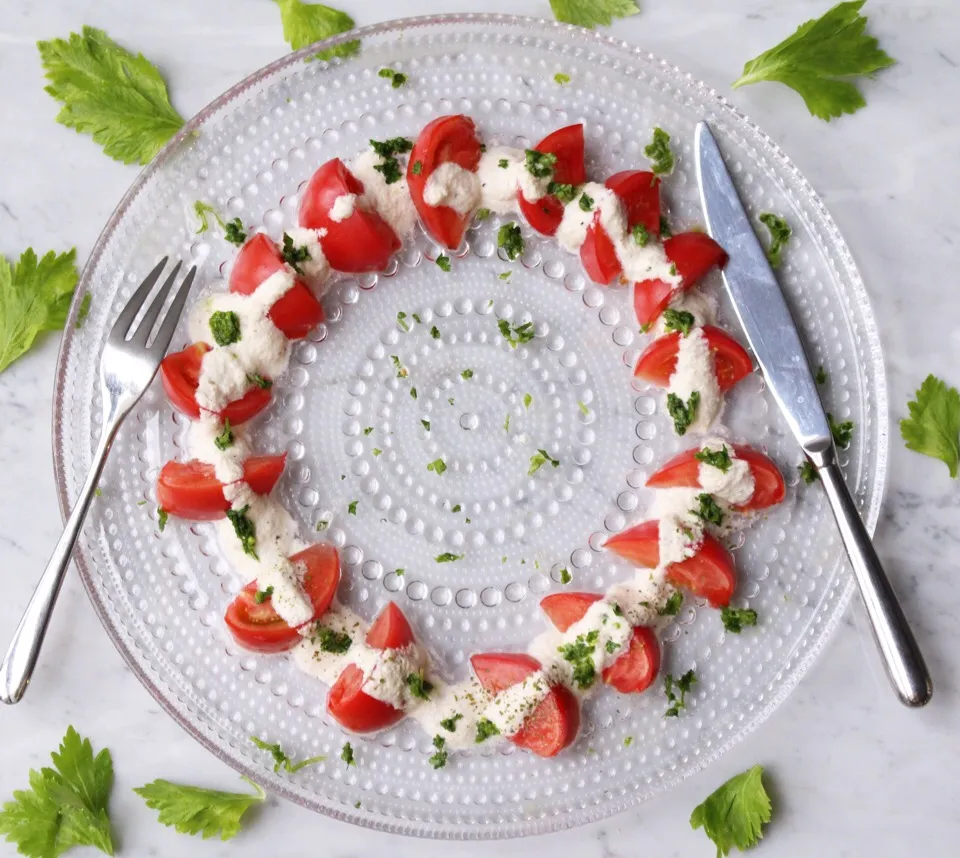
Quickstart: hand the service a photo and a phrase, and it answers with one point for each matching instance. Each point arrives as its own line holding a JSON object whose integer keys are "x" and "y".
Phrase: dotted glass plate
{"x": 162, "y": 596}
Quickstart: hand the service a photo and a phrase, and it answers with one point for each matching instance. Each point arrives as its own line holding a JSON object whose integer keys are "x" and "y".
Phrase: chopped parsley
{"x": 466, "y": 374}
{"x": 389, "y": 167}
{"x": 561, "y": 78}
{"x": 435, "y": 332}
{"x": 258, "y": 380}
{"x": 485, "y": 729}
{"x": 539, "y": 459}
{"x": 322, "y": 525}
{"x": 510, "y": 239}
{"x": 352, "y": 507}
{"x": 225, "y": 327}
{"x": 399, "y": 572}
{"x": 376, "y": 451}
{"x": 439, "y": 759}
{"x": 808, "y": 473}
{"x": 413, "y": 393}
{"x": 665, "y": 231}
{"x": 821, "y": 376}
{"x": 483, "y": 214}
{"x": 583, "y": 408}
{"x": 503, "y": 163}
{"x": 678, "y": 320}
{"x": 709, "y": 510}
{"x": 438, "y": 466}
{"x": 450, "y": 724}
{"x": 540, "y": 164}
{"x": 842, "y": 432}
{"x": 416, "y": 318}
{"x": 719, "y": 459}
{"x": 659, "y": 153}
{"x": 448, "y": 557}
{"x": 280, "y": 759}
{"x": 612, "y": 647}
{"x": 347, "y": 754}
{"x": 586, "y": 203}
{"x": 506, "y": 424}
{"x": 233, "y": 232}
{"x": 162, "y": 516}
{"x": 736, "y": 620}
{"x": 565, "y": 576}
{"x": 244, "y": 529}
{"x": 627, "y": 741}
{"x": 503, "y": 275}
{"x": 225, "y": 439}
{"x": 425, "y": 424}
{"x": 402, "y": 371}
{"x": 672, "y": 606}
{"x": 402, "y": 321}
{"x": 683, "y": 413}
{"x": 683, "y": 685}
{"x": 397, "y": 79}
{"x": 331, "y": 641}
{"x": 368, "y": 430}
{"x": 443, "y": 263}
{"x": 527, "y": 400}
{"x": 456, "y": 508}
{"x": 261, "y": 596}
{"x": 640, "y": 235}
{"x": 780, "y": 233}
{"x": 417, "y": 168}
{"x": 294, "y": 255}
{"x": 419, "y": 687}
{"x": 580, "y": 655}
{"x": 518, "y": 334}
{"x": 563, "y": 192}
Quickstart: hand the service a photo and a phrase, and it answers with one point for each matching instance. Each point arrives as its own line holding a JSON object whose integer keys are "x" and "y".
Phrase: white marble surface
{"x": 852, "y": 772}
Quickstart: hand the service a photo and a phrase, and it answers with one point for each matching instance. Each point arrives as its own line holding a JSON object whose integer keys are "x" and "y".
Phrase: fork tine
{"x": 169, "y": 324}
{"x": 129, "y": 313}
{"x": 140, "y": 336}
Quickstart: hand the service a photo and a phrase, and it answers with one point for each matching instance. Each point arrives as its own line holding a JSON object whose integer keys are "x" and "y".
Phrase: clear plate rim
{"x": 438, "y": 830}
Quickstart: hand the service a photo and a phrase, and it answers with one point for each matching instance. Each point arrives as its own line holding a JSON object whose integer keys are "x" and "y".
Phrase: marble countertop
{"x": 851, "y": 771}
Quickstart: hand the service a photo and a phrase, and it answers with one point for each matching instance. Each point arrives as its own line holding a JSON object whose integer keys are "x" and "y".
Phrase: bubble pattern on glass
{"x": 163, "y": 596}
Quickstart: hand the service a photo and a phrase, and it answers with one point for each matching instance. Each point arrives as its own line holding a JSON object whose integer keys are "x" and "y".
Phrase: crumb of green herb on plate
{"x": 503, "y": 275}
{"x": 443, "y": 262}
{"x": 561, "y": 78}
{"x": 413, "y": 393}
{"x": 425, "y": 424}
{"x": 527, "y": 400}
{"x": 735, "y": 620}
{"x": 438, "y": 466}
{"x": 539, "y": 459}
{"x": 933, "y": 425}
{"x": 565, "y": 576}
{"x": 435, "y": 332}
{"x": 439, "y": 759}
{"x": 517, "y": 334}
{"x": 203, "y": 211}
{"x": 820, "y": 61}
{"x": 162, "y": 516}
{"x": 671, "y": 686}
{"x": 377, "y": 451}
{"x": 397, "y": 79}
{"x": 780, "y": 233}
{"x": 84, "y": 310}
{"x": 808, "y": 473}
{"x": 683, "y": 413}
{"x": 280, "y": 758}
{"x": 659, "y": 153}
{"x": 306, "y": 23}
{"x": 448, "y": 557}
{"x": 510, "y": 240}
{"x": 735, "y": 813}
{"x": 590, "y": 14}
{"x": 466, "y": 374}
{"x": 842, "y": 432}
{"x": 352, "y": 507}
{"x": 821, "y": 375}
{"x": 346, "y": 754}
{"x": 483, "y": 214}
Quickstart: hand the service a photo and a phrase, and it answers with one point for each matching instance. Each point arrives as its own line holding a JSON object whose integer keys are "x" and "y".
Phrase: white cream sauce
{"x": 453, "y": 186}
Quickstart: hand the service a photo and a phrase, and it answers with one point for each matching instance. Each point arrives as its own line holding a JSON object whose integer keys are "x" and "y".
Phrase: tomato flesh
{"x": 637, "y": 668}
{"x": 598, "y": 255}
{"x": 545, "y": 214}
{"x": 180, "y": 376}
{"x": 258, "y": 627}
{"x": 497, "y": 671}
{"x": 565, "y": 609}
{"x": 446, "y": 139}
{"x": 731, "y": 362}
{"x": 694, "y": 254}
{"x": 361, "y": 242}
{"x": 191, "y": 489}
{"x": 390, "y": 630}
{"x": 639, "y": 544}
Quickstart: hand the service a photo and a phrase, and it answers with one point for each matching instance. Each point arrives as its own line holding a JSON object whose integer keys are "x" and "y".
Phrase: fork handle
{"x": 21, "y": 658}
{"x": 901, "y": 655}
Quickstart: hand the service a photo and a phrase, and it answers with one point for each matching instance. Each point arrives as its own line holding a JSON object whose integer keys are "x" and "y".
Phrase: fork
{"x": 130, "y": 361}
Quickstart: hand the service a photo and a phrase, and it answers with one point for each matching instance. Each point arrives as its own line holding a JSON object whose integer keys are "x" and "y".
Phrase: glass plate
{"x": 162, "y": 597}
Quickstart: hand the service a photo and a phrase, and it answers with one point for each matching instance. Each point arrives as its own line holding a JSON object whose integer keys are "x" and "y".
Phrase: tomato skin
{"x": 683, "y": 470}
{"x": 497, "y": 671}
{"x": 637, "y": 668}
{"x": 390, "y": 630}
{"x": 545, "y": 214}
{"x": 598, "y": 254}
{"x": 565, "y": 609}
{"x": 362, "y": 242}
{"x": 180, "y": 375}
{"x": 694, "y": 254}
{"x": 445, "y": 139}
{"x": 731, "y": 362}
{"x": 297, "y": 311}
{"x": 191, "y": 489}
{"x": 259, "y": 628}
{"x": 639, "y": 544}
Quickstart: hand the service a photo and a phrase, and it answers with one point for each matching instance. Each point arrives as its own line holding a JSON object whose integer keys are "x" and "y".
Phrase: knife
{"x": 773, "y": 336}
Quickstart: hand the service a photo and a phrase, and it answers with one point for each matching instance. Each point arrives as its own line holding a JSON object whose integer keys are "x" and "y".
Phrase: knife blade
{"x": 772, "y": 332}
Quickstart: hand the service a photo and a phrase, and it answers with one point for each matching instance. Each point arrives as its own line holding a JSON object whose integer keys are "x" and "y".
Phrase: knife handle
{"x": 902, "y": 658}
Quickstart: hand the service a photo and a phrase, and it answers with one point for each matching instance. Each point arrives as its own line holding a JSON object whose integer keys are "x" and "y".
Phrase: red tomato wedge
{"x": 362, "y": 242}
{"x": 694, "y": 254}
{"x": 347, "y": 703}
{"x": 731, "y": 363}
{"x": 684, "y": 470}
{"x": 180, "y": 375}
{"x": 639, "y": 191}
{"x": 446, "y": 139}
{"x": 710, "y": 573}
{"x": 296, "y": 312}
{"x": 545, "y": 214}
{"x": 636, "y": 668}
{"x": 191, "y": 489}
{"x": 258, "y": 627}
{"x": 554, "y": 724}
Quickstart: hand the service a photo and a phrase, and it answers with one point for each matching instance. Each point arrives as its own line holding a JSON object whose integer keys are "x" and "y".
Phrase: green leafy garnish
{"x": 413, "y": 393}
{"x": 708, "y": 510}
{"x": 376, "y": 451}
{"x": 735, "y": 814}
{"x": 678, "y": 320}
{"x": 346, "y": 754}
{"x": 719, "y": 459}
{"x": 225, "y": 439}
{"x": 589, "y": 13}
{"x": 506, "y": 424}
{"x": 234, "y": 233}
{"x": 483, "y": 214}
{"x": 780, "y": 233}
{"x": 438, "y": 466}
{"x": 640, "y": 235}
{"x": 402, "y": 321}
{"x": 261, "y": 596}
{"x": 735, "y": 620}
{"x": 820, "y": 60}
{"x": 450, "y": 724}
{"x": 402, "y": 371}
{"x": 443, "y": 262}
{"x": 417, "y": 168}
{"x": 683, "y": 413}
{"x": 821, "y": 375}
{"x": 418, "y": 686}
{"x": 565, "y": 576}
{"x": 933, "y": 427}
{"x": 65, "y": 806}
{"x": 466, "y": 374}
{"x": 539, "y": 459}
{"x": 245, "y": 530}
{"x": 439, "y": 759}
{"x": 527, "y": 400}
{"x": 34, "y": 297}
{"x": 225, "y": 327}
{"x": 672, "y": 606}
{"x": 389, "y": 167}
{"x": 117, "y": 97}
{"x": 485, "y": 729}
{"x": 306, "y": 23}
{"x": 660, "y": 153}
{"x": 518, "y": 334}
{"x": 281, "y": 760}
{"x": 202, "y": 210}
{"x": 352, "y": 507}
{"x": 563, "y": 192}
{"x": 84, "y": 310}
{"x": 397, "y": 79}
{"x": 683, "y": 685}
{"x": 258, "y": 380}
{"x": 540, "y": 164}
{"x": 580, "y": 654}
{"x": 561, "y": 78}
{"x": 456, "y": 508}
{"x": 510, "y": 239}
{"x": 665, "y": 231}
{"x": 583, "y": 408}
{"x": 194, "y": 810}
{"x": 808, "y": 473}
{"x": 368, "y": 430}
{"x": 842, "y": 432}
{"x": 425, "y": 424}
{"x": 293, "y": 255}
{"x": 435, "y": 332}
{"x": 586, "y": 203}
{"x": 448, "y": 557}
{"x": 162, "y": 516}
{"x": 503, "y": 164}
{"x": 331, "y": 641}
{"x": 322, "y": 525}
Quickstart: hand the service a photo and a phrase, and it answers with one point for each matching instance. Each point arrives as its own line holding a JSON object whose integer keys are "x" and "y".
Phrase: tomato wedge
{"x": 180, "y": 375}
{"x": 447, "y": 139}
{"x": 710, "y": 573}
{"x": 297, "y": 311}
{"x": 639, "y": 191}
{"x": 694, "y": 254}
{"x": 191, "y": 489}
{"x": 545, "y": 214}
{"x": 684, "y": 470}
{"x": 731, "y": 363}
{"x": 554, "y": 724}
{"x": 258, "y": 627}
{"x": 361, "y": 242}
{"x": 352, "y": 707}
{"x": 565, "y": 609}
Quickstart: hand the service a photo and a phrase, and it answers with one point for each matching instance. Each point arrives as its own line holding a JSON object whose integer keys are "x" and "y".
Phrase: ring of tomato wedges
{"x": 362, "y": 242}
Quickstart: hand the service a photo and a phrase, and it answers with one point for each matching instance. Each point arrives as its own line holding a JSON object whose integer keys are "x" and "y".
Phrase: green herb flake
{"x": 708, "y": 510}
{"x": 261, "y": 596}
{"x": 678, "y": 320}
{"x": 627, "y": 741}
{"x": 294, "y": 254}
{"x": 565, "y": 576}
{"x": 448, "y": 557}
{"x": 413, "y": 393}
{"x": 456, "y": 508}
{"x": 377, "y": 451}
{"x": 483, "y": 214}
{"x": 245, "y": 530}
{"x": 506, "y": 424}
{"x": 439, "y": 759}
{"x": 258, "y": 380}
{"x": 683, "y": 413}
{"x": 808, "y": 473}
{"x": 281, "y": 760}
{"x": 346, "y": 754}
{"x": 503, "y": 163}
{"x": 539, "y": 459}
{"x": 735, "y": 620}
{"x": 402, "y": 371}
{"x": 527, "y": 400}
{"x": 368, "y": 430}
{"x": 234, "y": 232}
{"x": 485, "y": 729}
{"x": 443, "y": 263}
{"x": 583, "y": 408}
{"x": 780, "y": 233}
{"x": 466, "y": 374}
{"x": 450, "y": 724}
{"x": 438, "y": 466}
{"x": 225, "y": 327}
{"x": 504, "y": 275}
{"x": 84, "y": 310}
{"x": 322, "y": 525}
{"x": 561, "y": 78}
{"x": 671, "y": 686}
{"x": 540, "y": 164}
{"x": 672, "y": 606}
{"x": 352, "y": 507}
{"x": 821, "y": 375}
{"x": 586, "y": 203}
{"x": 566, "y": 193}
{"x": 397, "y": 79}
{"x": 719, "y": 459}
{"x": 162, "y": 516}
{"x": 517, "y": 334}
{"x": 510, "y": 239}
{"x": 418, "y": 686}
{"x": 331, "y": 640}
{"x": 665, "y": 231}
{"x": 425, "y": 424}
{"x": 660, "y": 153}
{"x": 641, "y": 236}
{"x": 402, "y": 321}
{"x": 842, "y": 432}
